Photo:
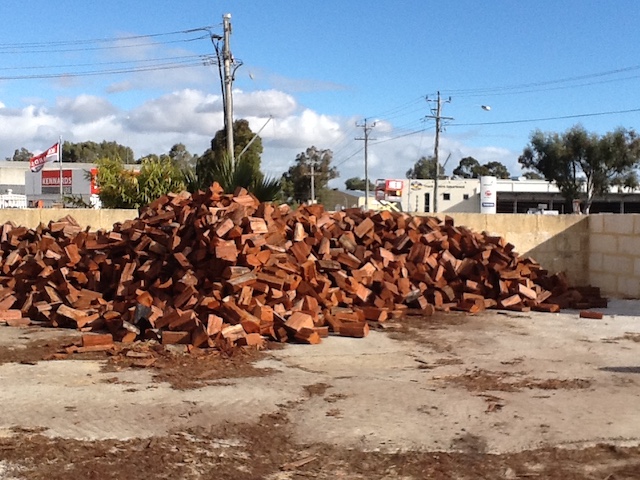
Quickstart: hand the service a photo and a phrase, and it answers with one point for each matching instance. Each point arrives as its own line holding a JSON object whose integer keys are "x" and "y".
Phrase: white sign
{"x": 488, "y": 194}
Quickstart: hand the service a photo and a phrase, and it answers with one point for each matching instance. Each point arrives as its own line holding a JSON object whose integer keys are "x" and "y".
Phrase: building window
{"x": 465, "y": 196}
{"x": 446, "y": 196}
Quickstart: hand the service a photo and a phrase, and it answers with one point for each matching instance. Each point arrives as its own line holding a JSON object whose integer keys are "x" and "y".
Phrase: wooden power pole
{"x": 366, "y": 129}
{"x": 436, "y": 114}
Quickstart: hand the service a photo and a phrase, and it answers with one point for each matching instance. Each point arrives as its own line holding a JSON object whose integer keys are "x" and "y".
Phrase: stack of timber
{"x": 212, "y": 268}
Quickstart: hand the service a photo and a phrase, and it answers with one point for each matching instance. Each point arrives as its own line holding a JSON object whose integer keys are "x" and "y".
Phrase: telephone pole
{"x": 313, "y": 174}
{"x": 366, "y": 129}
{"x": 313, "y": 184}
{"x": 436, "y": 114}
{"x": 228, "y": 80}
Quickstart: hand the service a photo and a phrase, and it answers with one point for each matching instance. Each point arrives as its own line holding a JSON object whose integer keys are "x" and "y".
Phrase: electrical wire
{"x": 114, "y": 67}
{"x": 349, "y": 157}
{"x": 395, "y": 110}
{"x": 547, "y": 86}
{"x": 108, "y": 47}
{"x": 490, "y": 90}
{"x": 64, "y": 43}
{"x": 544, "y": 119}
{"x": 148, "y": 68}
{"x": 408, "y": 134}
{"x": 121, "y": 62}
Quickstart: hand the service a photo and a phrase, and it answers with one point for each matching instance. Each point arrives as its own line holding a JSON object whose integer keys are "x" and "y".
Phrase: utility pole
{"x": 313, "y": 184}
{"x": 366, "y": 129}
{"x": 436, "y": 114}
{"x": 228, "y": 79}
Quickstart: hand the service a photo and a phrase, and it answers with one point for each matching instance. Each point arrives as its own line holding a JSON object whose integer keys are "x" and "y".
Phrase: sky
{"x": 138, "y": 73}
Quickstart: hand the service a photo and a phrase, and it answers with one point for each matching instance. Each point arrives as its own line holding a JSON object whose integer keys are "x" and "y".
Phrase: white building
{"x": 43, "y": 187}
{"x": 512, "y": 196}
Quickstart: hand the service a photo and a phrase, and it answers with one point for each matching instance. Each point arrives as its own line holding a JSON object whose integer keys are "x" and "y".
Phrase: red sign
{"x": 95, "y": 189}
{"x": 36, "y": 163}
{"x": 394, "y": 185}
{"x": 51, "y": 178}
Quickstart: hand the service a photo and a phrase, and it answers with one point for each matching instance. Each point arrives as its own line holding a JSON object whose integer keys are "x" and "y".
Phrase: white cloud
{"x": 84, "y": 108}
{"x": 31, "y": 127}
{"x": 304, "y": 130}
{"x": 263, "y": 104}
{"x": 178, "y": 112}
{"x": 192, "y": 117}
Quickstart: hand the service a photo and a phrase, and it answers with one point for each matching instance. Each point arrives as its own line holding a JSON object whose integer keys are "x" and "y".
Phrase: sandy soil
{"x": 497, "y": 395}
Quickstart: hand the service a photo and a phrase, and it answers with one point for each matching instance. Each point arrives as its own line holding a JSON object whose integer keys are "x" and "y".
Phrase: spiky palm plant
{"x": 231, "y": 174}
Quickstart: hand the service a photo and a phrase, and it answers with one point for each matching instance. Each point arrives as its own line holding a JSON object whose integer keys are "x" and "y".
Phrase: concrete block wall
{"x": 614, "y": 254}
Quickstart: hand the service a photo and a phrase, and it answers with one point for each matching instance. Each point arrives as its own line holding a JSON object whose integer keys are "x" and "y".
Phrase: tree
{"x": 628, "y": 182}
{"x": 216, "y": 155}
{"x": 494, "y": 169}
{"x": 124, "y": 188}
{"x": 22, "y": 155}
{"x": 582, "y": 164}
{"x": 424, "y": 168}
{"x": 215, "y": 165}
{"x": 91, "y": 152}
{"x": 469, "y": 167}
{"x": 296, "y": 182}
{"x": 356, "y": 183}
{"x": 231, "y": 174}
{"x": 181, "y": 155}
{"x": 533, "y": 176}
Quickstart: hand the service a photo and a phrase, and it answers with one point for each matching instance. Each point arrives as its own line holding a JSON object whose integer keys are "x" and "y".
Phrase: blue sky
{"x": 311, "y": 70}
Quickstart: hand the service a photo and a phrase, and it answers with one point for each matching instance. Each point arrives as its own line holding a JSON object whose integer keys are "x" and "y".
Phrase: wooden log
{"x": 354, "y": 329}
{"x": 93, "y": 339}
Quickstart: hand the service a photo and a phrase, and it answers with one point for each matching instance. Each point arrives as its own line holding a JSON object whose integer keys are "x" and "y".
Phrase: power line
{"x": 393, "y": 111}
{"x": 550, "y": 89}
{"x": 148, "y": 68}
{"x": 349, "y": 157}
{"x": 544, "y": 119}
{"x": 92, "y": 64}
{"x": 492, "y": 90}
{"x": 63, "y": 43}
{"x": 107, "y": 47}
{"x": 408, "y": 134}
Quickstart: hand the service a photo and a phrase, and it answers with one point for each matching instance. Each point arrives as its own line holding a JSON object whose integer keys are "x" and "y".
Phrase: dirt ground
{"x": 501, "y": 395}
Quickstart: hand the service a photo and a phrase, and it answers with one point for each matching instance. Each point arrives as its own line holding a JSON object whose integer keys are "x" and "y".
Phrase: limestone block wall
{"x": 96, "y": 219}
{"x": 560, "y": 243}
{"x": 614, "y": 254}
{"x": 601, "y": 250}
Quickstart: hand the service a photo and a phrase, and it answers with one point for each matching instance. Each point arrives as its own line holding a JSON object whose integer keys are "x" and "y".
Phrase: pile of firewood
{"x": 212, "y": 267}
